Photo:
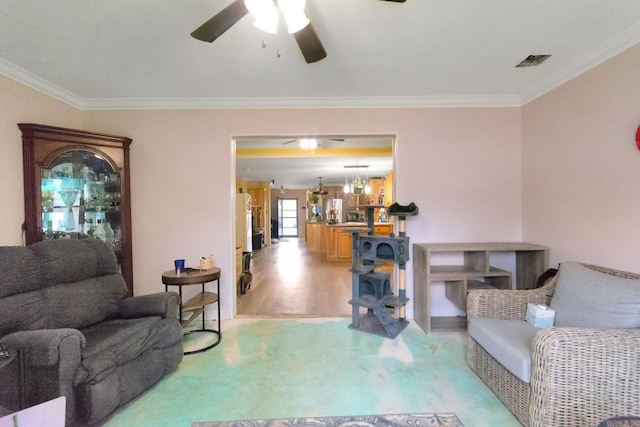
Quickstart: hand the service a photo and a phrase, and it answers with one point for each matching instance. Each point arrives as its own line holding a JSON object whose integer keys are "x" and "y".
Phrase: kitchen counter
{"x": 339, "y": 241}
{"x": 315, "y": 236}
{"x": 358, "y": 224}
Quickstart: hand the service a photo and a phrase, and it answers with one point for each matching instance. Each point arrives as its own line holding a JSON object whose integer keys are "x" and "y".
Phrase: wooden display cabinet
{"x": 77, "y": 185}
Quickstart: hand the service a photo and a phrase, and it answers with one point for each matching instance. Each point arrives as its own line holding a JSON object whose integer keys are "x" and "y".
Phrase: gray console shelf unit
{"x": 475, "y": 272}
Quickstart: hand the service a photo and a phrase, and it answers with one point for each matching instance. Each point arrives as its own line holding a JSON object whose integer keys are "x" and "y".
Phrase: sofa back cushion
{"x": 594, "y": 297}
{"x": 19, "y": 270}
{"x": 80, "y": 304}
{"x": 58, "y": 284}
{"x": 20, "y": 312}
{"x": 73, "y": 260}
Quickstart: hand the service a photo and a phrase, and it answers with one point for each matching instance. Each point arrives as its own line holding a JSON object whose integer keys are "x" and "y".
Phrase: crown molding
{"x": 597, "y": 56}
{"x": 300, "y": 103}
{"x": 35, "y": 82}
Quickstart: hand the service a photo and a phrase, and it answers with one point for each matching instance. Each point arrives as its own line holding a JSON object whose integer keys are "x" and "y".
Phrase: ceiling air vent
{"x": 532, "y": 61}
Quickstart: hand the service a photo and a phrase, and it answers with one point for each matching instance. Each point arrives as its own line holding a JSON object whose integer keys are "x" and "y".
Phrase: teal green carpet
{"x": 293, "y": 368}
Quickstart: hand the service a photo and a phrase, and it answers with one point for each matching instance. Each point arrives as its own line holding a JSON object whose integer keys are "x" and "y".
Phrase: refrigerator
{"x": 243, "y": 221}
{"x": 333, "y": 210}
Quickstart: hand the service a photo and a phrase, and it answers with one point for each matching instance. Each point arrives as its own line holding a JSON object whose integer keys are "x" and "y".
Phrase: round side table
{"x": 195, "y": 306}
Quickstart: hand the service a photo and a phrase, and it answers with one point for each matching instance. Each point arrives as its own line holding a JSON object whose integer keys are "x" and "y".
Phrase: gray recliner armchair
{"x": 64, "y": 302}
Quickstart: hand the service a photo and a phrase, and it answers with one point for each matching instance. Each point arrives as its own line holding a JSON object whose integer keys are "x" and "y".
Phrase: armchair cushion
{"x": 118, "y": 341}
{"x": 508, "y": 341}
{"x": 593, "y": 298}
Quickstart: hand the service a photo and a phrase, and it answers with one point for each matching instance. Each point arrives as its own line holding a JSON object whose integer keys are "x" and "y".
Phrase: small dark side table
{"x": 195, "y": 306}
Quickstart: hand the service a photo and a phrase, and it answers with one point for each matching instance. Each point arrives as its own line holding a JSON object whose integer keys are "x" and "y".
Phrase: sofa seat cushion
{"x": 84, "y": 303}
{"x": 510, "y": 342}
{"x": 118, "y": 341}
{"x": 589, "y": 298}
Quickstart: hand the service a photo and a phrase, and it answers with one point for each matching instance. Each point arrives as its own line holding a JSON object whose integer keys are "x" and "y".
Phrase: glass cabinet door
{"x": 81, "y": 198}
{"x": 77, "y": 186}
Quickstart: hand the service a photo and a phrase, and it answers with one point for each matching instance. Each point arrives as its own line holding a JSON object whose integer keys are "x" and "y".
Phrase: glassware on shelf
{"x": 94, "y": 195}
{"x": 99, "y": 232}
{"x": 108, "y": 233}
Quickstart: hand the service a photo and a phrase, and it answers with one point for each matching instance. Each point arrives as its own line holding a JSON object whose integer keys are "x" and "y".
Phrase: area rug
{"x": 398, "y": 420}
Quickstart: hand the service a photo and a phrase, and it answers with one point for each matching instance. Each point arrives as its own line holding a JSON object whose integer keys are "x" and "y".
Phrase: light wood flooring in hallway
{"x": 290, "y": 280}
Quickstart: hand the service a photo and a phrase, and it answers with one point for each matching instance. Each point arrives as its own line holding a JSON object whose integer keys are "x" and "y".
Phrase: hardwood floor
{"x": 291, "y": 281}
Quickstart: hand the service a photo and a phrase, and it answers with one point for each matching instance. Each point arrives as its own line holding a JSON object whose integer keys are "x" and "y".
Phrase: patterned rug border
{"x": 448, "y": 419}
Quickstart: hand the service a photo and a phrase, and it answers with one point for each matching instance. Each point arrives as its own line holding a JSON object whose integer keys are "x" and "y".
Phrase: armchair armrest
{"x": 164, "y": 304}
{"x": 582, "y": 376}
{"x": 52, "y": 358}
{"x": 47, "y": 347}
{"x": 506, "y": 304}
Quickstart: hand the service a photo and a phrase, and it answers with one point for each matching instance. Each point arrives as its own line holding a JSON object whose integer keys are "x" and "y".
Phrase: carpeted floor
{"x": 300, "y": 368}
{"x": 396, "y": 420}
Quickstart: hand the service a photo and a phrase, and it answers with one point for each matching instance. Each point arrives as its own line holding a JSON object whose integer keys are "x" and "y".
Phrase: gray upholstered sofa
{"x": 64, "y": 302}
{"x": 579, "y": 372}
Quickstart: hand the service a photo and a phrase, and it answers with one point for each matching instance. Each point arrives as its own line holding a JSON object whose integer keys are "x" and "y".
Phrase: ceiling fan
{"x": 302, "y": 30}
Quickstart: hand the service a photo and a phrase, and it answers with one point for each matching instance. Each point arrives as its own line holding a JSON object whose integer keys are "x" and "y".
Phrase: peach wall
{"x": 460, "y": 166}
{"x": 581, "y": 167}
{"x": 19, "y": 104}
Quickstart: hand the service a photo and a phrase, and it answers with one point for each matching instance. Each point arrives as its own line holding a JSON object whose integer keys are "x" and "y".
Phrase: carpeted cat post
{"x": 371, "y": 289}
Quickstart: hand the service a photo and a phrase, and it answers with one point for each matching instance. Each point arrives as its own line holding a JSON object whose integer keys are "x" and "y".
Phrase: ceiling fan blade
{"x": 310, "y": 44}
{"x": 221, "y": 22}
{"x": 396, "y": 1}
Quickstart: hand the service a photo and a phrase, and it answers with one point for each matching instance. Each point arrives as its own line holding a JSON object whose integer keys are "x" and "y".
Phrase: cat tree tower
{"x": 371, "y": 289}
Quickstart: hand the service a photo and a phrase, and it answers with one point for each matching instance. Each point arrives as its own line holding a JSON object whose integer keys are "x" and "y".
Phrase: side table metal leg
{"x": 203, "y": 309}
{"x": 22, "y": 380}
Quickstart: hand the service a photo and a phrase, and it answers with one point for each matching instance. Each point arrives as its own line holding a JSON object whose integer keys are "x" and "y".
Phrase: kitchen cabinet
{"x": 77, "y": 186}
{"x": 376, "y": 195}
{"x": 339, "y": 242}
{"x": 315, "y": 236}
{"x": 380, "y": 229}
{"x": 344, "y": 248}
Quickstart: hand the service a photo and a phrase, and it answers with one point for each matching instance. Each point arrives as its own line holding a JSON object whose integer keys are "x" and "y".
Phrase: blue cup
{"x": 179, "y": 264}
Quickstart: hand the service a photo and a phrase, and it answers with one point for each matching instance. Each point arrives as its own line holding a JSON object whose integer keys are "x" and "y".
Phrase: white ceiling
{"x": 131, "y": 54}
{"x": 139, "y": 54}
{"x": 304, "y": 172}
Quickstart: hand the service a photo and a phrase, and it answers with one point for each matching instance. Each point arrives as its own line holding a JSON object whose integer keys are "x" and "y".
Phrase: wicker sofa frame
{"x": 579, "y": 376}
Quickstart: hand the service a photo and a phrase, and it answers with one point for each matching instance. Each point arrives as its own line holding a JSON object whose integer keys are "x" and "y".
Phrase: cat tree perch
{"x": 371, "y": 289}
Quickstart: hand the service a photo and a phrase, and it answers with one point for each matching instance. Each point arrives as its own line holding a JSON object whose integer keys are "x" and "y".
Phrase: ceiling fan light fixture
{"x": 308, "y": 143}
{"x": 294, "y": 16}
{"x": 265, "y": 13}
{"x": 296, "y": 22}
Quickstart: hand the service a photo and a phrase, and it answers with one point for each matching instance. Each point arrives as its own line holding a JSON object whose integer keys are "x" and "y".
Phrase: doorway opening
{"x": 287, "y": 217}
{"x": 293, "y": 277}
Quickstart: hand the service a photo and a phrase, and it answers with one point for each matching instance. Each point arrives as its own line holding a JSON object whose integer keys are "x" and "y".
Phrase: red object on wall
{"x": 638, "y": 138}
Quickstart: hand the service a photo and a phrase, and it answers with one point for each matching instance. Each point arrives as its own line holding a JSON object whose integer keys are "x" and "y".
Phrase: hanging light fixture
{"x": 358, "y": 185}
{"x": 281, "y": 189}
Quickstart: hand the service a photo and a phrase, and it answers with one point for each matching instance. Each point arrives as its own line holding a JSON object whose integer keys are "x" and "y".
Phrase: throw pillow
{"x": 590, "y": 298}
